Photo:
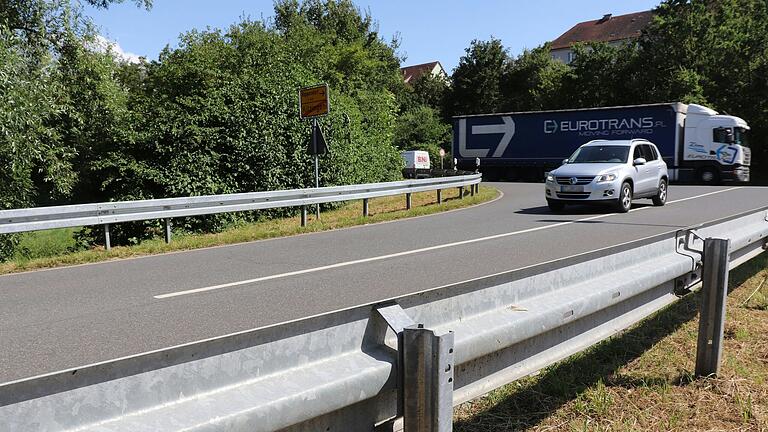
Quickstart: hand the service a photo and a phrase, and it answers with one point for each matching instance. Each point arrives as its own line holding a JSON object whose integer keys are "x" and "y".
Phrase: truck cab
{"x": 715, "y": 146}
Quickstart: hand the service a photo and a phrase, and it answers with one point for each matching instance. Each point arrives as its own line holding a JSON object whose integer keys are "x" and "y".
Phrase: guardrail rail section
{"x": 42, "y": 218}
{"x": 404, "y": 362}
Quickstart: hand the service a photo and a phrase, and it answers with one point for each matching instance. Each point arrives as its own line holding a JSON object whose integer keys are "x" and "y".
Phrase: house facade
{"x": 613, "y": 30}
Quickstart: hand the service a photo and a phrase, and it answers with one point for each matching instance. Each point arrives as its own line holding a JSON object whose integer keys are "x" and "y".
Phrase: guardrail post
{"x": 167, "y": 230}
{"x": 714, "y": 293}
{"x": 303, "y": 215}
{"x": 365, "y": 207}
{"x": 408, "y": 201}
{"x": 427, "y": 380}
{"x": 461, "y": 192}
{"x": 472, "y": 190}
{"x": 439, "y": 196}
{"x": 107, "y": 242}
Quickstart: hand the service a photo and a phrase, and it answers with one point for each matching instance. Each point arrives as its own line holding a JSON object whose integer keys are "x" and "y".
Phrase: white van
{"x": 416, "y": 164}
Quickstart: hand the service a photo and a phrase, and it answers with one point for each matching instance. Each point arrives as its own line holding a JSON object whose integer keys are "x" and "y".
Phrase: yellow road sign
{"x": 314, "y": 101}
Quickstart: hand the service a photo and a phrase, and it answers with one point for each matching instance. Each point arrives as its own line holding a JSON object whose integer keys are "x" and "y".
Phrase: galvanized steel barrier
{"x": 410, "y": 358}
{"x": 42, "y": 218}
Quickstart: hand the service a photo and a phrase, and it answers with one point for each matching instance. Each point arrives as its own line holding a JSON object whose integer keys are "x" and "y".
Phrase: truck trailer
{"x": 698, "y": 144}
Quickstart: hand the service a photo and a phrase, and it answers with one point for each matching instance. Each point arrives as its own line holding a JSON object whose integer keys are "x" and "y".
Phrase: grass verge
{"x": 45, "y": 249}
{"x": 643, "y": 379}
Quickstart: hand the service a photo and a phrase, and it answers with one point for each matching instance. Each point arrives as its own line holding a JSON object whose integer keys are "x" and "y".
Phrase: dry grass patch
{"x": 643, "y": 379}
{"x": 380, "y": 210}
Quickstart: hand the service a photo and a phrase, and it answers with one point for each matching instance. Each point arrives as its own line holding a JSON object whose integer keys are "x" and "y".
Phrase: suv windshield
{"x": 600, "y": 154}
{"x": 740, "y": 136}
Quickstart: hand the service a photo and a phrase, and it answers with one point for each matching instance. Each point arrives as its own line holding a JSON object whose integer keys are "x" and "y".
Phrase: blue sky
{"x": 429, "y": 29}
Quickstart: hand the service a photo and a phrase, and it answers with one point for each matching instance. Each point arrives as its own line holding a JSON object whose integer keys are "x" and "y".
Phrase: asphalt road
{"x": 62, "y": 318}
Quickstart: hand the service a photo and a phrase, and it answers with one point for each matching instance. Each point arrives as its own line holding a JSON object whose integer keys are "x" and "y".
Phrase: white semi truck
{"x": 697, "y": 143}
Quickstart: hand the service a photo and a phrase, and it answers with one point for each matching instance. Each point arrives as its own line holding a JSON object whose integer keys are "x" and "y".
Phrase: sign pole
{"x": 314, "y": 101}
{"x": 317, "y": 165}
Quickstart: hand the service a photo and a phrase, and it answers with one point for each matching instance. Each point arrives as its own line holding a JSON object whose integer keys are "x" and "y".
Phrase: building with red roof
{"x": 614, "y": 30}
{"x": 412, "y": 73}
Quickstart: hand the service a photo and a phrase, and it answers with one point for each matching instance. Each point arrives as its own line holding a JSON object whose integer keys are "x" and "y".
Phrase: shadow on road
{"x": 576, "y": 210}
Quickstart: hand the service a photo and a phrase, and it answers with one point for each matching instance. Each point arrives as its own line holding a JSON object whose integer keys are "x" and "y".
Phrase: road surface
{"x": 69, "y": 317}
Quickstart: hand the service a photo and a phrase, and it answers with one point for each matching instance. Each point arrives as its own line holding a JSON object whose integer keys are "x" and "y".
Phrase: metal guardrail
{"x": 42, "y": 218}
{"x": 410, "y": 358}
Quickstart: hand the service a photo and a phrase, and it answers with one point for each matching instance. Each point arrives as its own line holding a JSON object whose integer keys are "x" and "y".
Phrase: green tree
{"x": 421, "y": 128}
{"x": 219, "y": 114}
{"x": 714, "y": 52}
{"x": 477, "y": 80}
{"x": 533, "y": 81}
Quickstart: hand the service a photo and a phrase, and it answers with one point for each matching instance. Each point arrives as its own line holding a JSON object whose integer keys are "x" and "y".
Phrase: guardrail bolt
{"x": 167, "y": 230}
{"x": 714, "y": 293}
{"x": 107, "y": 242}
{"x": 303, "y": 215}
{"x": 439, "y": 196}
{"x": 408, "y": 201}
{"x": 365, "y": 207}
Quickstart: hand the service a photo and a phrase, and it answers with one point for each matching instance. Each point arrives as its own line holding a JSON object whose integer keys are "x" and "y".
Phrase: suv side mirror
{"x": 639, "y": 161}
{"x": 565, "y": 161}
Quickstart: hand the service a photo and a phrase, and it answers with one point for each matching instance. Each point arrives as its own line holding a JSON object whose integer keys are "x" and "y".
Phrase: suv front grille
{"x": 573, "y": 195}
{"x": 580, "y": 180}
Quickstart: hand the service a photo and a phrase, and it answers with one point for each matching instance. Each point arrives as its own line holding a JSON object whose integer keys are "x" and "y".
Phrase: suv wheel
{"x": 661, "y": 197}
{"x": 555, "y": 206}
{"x": 625, "y": 198}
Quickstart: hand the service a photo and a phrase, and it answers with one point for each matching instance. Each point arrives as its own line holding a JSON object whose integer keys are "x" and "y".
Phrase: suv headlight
{"x": 550, "y": 178}
{"x": 606, "y": 178}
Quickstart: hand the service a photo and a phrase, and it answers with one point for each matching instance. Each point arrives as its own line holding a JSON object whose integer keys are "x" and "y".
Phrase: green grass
{"x": 43, "y": 244}
{"x": 643, "y": 380}
{"x": 52, "y": 248}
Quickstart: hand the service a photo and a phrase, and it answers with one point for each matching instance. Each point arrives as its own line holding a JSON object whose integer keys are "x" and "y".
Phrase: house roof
{"x": 412, "y": 73}
{"x": 607, "y": 29}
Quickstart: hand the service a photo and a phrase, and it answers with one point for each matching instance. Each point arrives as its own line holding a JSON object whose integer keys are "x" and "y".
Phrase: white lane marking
{"x": 414, "y": 251}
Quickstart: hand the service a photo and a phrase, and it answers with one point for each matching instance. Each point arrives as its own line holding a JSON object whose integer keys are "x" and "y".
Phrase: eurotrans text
{"x": 604, "y": 127}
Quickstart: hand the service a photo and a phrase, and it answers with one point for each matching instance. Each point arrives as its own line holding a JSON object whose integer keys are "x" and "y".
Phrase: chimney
{"x": 605, "y": 18}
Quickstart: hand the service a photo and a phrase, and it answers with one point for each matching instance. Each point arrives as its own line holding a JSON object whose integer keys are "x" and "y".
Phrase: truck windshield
{"x": 600, "y": 154}
{"x": 740, "y": 136}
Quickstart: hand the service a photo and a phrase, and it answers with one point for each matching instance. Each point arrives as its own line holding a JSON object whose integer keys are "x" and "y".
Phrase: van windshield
{"x": 600, "y": 154}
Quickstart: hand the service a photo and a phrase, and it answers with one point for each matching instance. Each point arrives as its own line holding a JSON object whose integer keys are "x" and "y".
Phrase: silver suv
{"x": 604, "y": 171}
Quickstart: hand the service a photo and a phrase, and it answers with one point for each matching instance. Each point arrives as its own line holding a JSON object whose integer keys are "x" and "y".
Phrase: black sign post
{"x": 314, "y": 102}
{"x": 317, "y": 146}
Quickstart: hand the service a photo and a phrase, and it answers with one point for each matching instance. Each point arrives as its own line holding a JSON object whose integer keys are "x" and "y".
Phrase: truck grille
{"x": 747, "y": 156}
{"x": 580, "y": 180}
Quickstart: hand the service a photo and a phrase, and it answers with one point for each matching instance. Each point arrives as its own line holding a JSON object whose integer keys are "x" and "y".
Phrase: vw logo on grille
{"x": 573, "y": 180}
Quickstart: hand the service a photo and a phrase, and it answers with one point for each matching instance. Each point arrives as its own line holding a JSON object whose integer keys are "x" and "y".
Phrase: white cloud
{"x": 103, "y": 44}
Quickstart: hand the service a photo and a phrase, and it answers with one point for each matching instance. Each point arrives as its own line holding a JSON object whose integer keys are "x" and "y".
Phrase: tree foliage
{"x": 477, "y": 80}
